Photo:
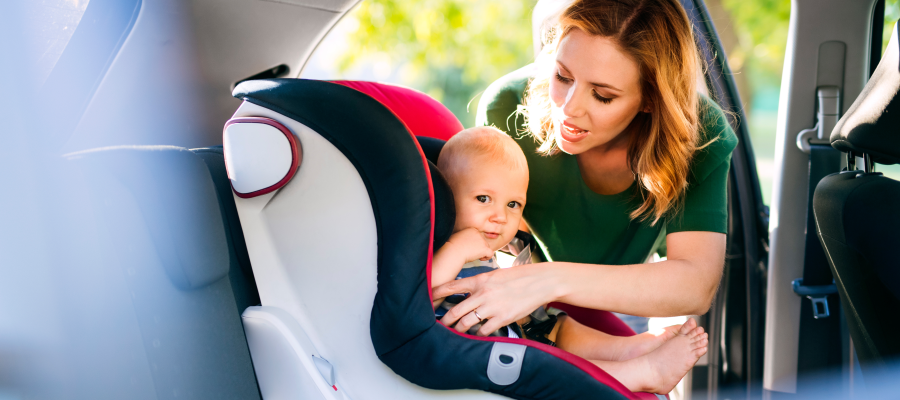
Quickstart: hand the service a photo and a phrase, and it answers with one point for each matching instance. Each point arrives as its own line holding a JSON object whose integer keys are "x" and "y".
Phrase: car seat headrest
{"x": 871, "y": 124}
{"x": 444, "y": 207}
{"x": 431, "y": 147}
{"x": 421, "y": 114}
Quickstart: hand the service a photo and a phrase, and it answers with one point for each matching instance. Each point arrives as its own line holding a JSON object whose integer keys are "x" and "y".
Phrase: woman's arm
{"x": 682, "y": 285}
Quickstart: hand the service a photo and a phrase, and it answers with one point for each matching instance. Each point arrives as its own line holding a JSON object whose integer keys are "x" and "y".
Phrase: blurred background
{"x": 453, "y": 49}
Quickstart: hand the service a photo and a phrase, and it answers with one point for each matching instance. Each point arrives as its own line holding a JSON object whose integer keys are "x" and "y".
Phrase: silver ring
{"x": 477, "y": 316}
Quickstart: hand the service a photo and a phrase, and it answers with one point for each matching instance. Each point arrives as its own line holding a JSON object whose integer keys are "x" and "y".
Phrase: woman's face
{"x": 595, "y": 92}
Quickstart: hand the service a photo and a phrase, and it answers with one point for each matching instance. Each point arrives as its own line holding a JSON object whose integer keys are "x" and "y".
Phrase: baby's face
{"x": 490, "y": 198}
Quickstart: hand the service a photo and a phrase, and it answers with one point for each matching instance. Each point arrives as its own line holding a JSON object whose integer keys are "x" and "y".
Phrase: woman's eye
{"x": 604, "y": 100}
{"x": 514, "y": 204}
{"x": 483, "y": 198}
{"x": 562, "y": 78}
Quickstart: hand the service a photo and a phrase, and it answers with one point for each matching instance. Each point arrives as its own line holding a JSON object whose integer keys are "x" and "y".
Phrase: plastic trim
{"x": 296, "y": 154}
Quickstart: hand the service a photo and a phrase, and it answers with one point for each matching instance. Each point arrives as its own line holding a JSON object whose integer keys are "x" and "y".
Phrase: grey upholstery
{"x": 165, "y": 235}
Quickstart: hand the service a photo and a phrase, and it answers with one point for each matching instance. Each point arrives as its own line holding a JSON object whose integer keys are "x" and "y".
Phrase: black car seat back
{"x": 858, "y": 217}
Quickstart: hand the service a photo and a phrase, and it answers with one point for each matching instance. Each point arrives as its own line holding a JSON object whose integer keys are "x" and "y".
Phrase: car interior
{"x": 186, "y": 218}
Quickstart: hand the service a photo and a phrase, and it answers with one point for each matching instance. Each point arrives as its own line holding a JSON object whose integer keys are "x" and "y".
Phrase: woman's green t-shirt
{"x": 573, "y": 223}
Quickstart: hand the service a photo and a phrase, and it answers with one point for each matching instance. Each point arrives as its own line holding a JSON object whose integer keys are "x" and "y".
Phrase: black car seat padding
{"x": 857, "y": 219}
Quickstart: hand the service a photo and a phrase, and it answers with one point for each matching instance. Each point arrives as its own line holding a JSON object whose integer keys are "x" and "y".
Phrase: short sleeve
{"x": 705, "y": 204}
{"x": 501, "y": 99}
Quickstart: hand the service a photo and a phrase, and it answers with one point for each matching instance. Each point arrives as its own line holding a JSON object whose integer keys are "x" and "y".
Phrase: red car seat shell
{"x": 421, "y": 114}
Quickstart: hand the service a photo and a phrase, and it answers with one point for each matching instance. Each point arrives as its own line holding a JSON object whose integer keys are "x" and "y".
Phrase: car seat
{"x": 159, "y": 311}
{"x": 341, "y": 211}
{"x": 857, "y": 216}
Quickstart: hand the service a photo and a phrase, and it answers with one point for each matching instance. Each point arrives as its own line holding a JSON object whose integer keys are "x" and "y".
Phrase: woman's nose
{"x": 574, "y": 106}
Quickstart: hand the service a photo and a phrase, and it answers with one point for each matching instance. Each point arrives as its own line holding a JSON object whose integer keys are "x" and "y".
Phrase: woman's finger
{"x": 455, "y": 314}
{"x": 467, "y": 321}
{"x": 490, "y": 325}
{"x": 459, "y": 286}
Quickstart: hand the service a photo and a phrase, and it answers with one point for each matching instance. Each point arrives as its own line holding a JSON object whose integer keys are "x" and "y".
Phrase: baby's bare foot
{"x": 660, "y": 370}
{"x": 666, "y": 365}
{"x": 640, "y": 344}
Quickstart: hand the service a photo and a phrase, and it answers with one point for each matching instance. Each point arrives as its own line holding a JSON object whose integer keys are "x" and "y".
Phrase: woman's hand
{"x": 501, "y": 297}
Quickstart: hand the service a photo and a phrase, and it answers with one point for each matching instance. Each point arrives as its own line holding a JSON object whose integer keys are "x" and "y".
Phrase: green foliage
{"x": 762, "y": 27}
{"x": 450, "y": 49}
{"x": 891, "y": 14}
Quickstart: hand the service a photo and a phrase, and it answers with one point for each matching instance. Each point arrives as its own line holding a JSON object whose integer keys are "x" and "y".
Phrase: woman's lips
{"x": 572, "y": 133}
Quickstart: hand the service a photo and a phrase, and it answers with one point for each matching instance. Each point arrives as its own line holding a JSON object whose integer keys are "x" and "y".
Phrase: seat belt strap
{"x": 823, "y": 161}
{"x": 820, "y": 340}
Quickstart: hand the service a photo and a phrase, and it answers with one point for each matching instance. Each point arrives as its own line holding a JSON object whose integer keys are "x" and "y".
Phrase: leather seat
{"x": 858, "y": 218}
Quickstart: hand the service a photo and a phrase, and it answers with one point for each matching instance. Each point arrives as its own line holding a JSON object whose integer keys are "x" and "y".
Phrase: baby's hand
{"x": 471, "y": 244}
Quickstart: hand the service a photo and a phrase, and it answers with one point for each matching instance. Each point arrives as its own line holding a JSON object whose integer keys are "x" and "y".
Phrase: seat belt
{"x": 820, "y": 345}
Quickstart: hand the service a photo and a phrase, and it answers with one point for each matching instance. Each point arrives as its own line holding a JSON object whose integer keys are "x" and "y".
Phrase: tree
{"x": 450, "y": 49}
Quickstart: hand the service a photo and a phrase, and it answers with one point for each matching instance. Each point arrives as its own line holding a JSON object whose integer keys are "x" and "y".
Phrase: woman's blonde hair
{"x": 657, "y": 35}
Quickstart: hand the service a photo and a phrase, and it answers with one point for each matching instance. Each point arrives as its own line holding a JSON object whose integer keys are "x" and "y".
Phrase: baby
{"x": 488, "y": 174}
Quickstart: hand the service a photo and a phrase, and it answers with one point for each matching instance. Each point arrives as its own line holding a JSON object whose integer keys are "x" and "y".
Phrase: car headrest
{"x": 871, "y": 124}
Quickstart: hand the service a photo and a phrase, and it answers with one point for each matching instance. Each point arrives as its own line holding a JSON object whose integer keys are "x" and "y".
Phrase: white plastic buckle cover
{"x": 505, "y": 363}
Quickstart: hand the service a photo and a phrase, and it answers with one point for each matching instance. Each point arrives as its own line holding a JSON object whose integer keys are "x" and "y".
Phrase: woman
{"x": 623, "y": 153}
